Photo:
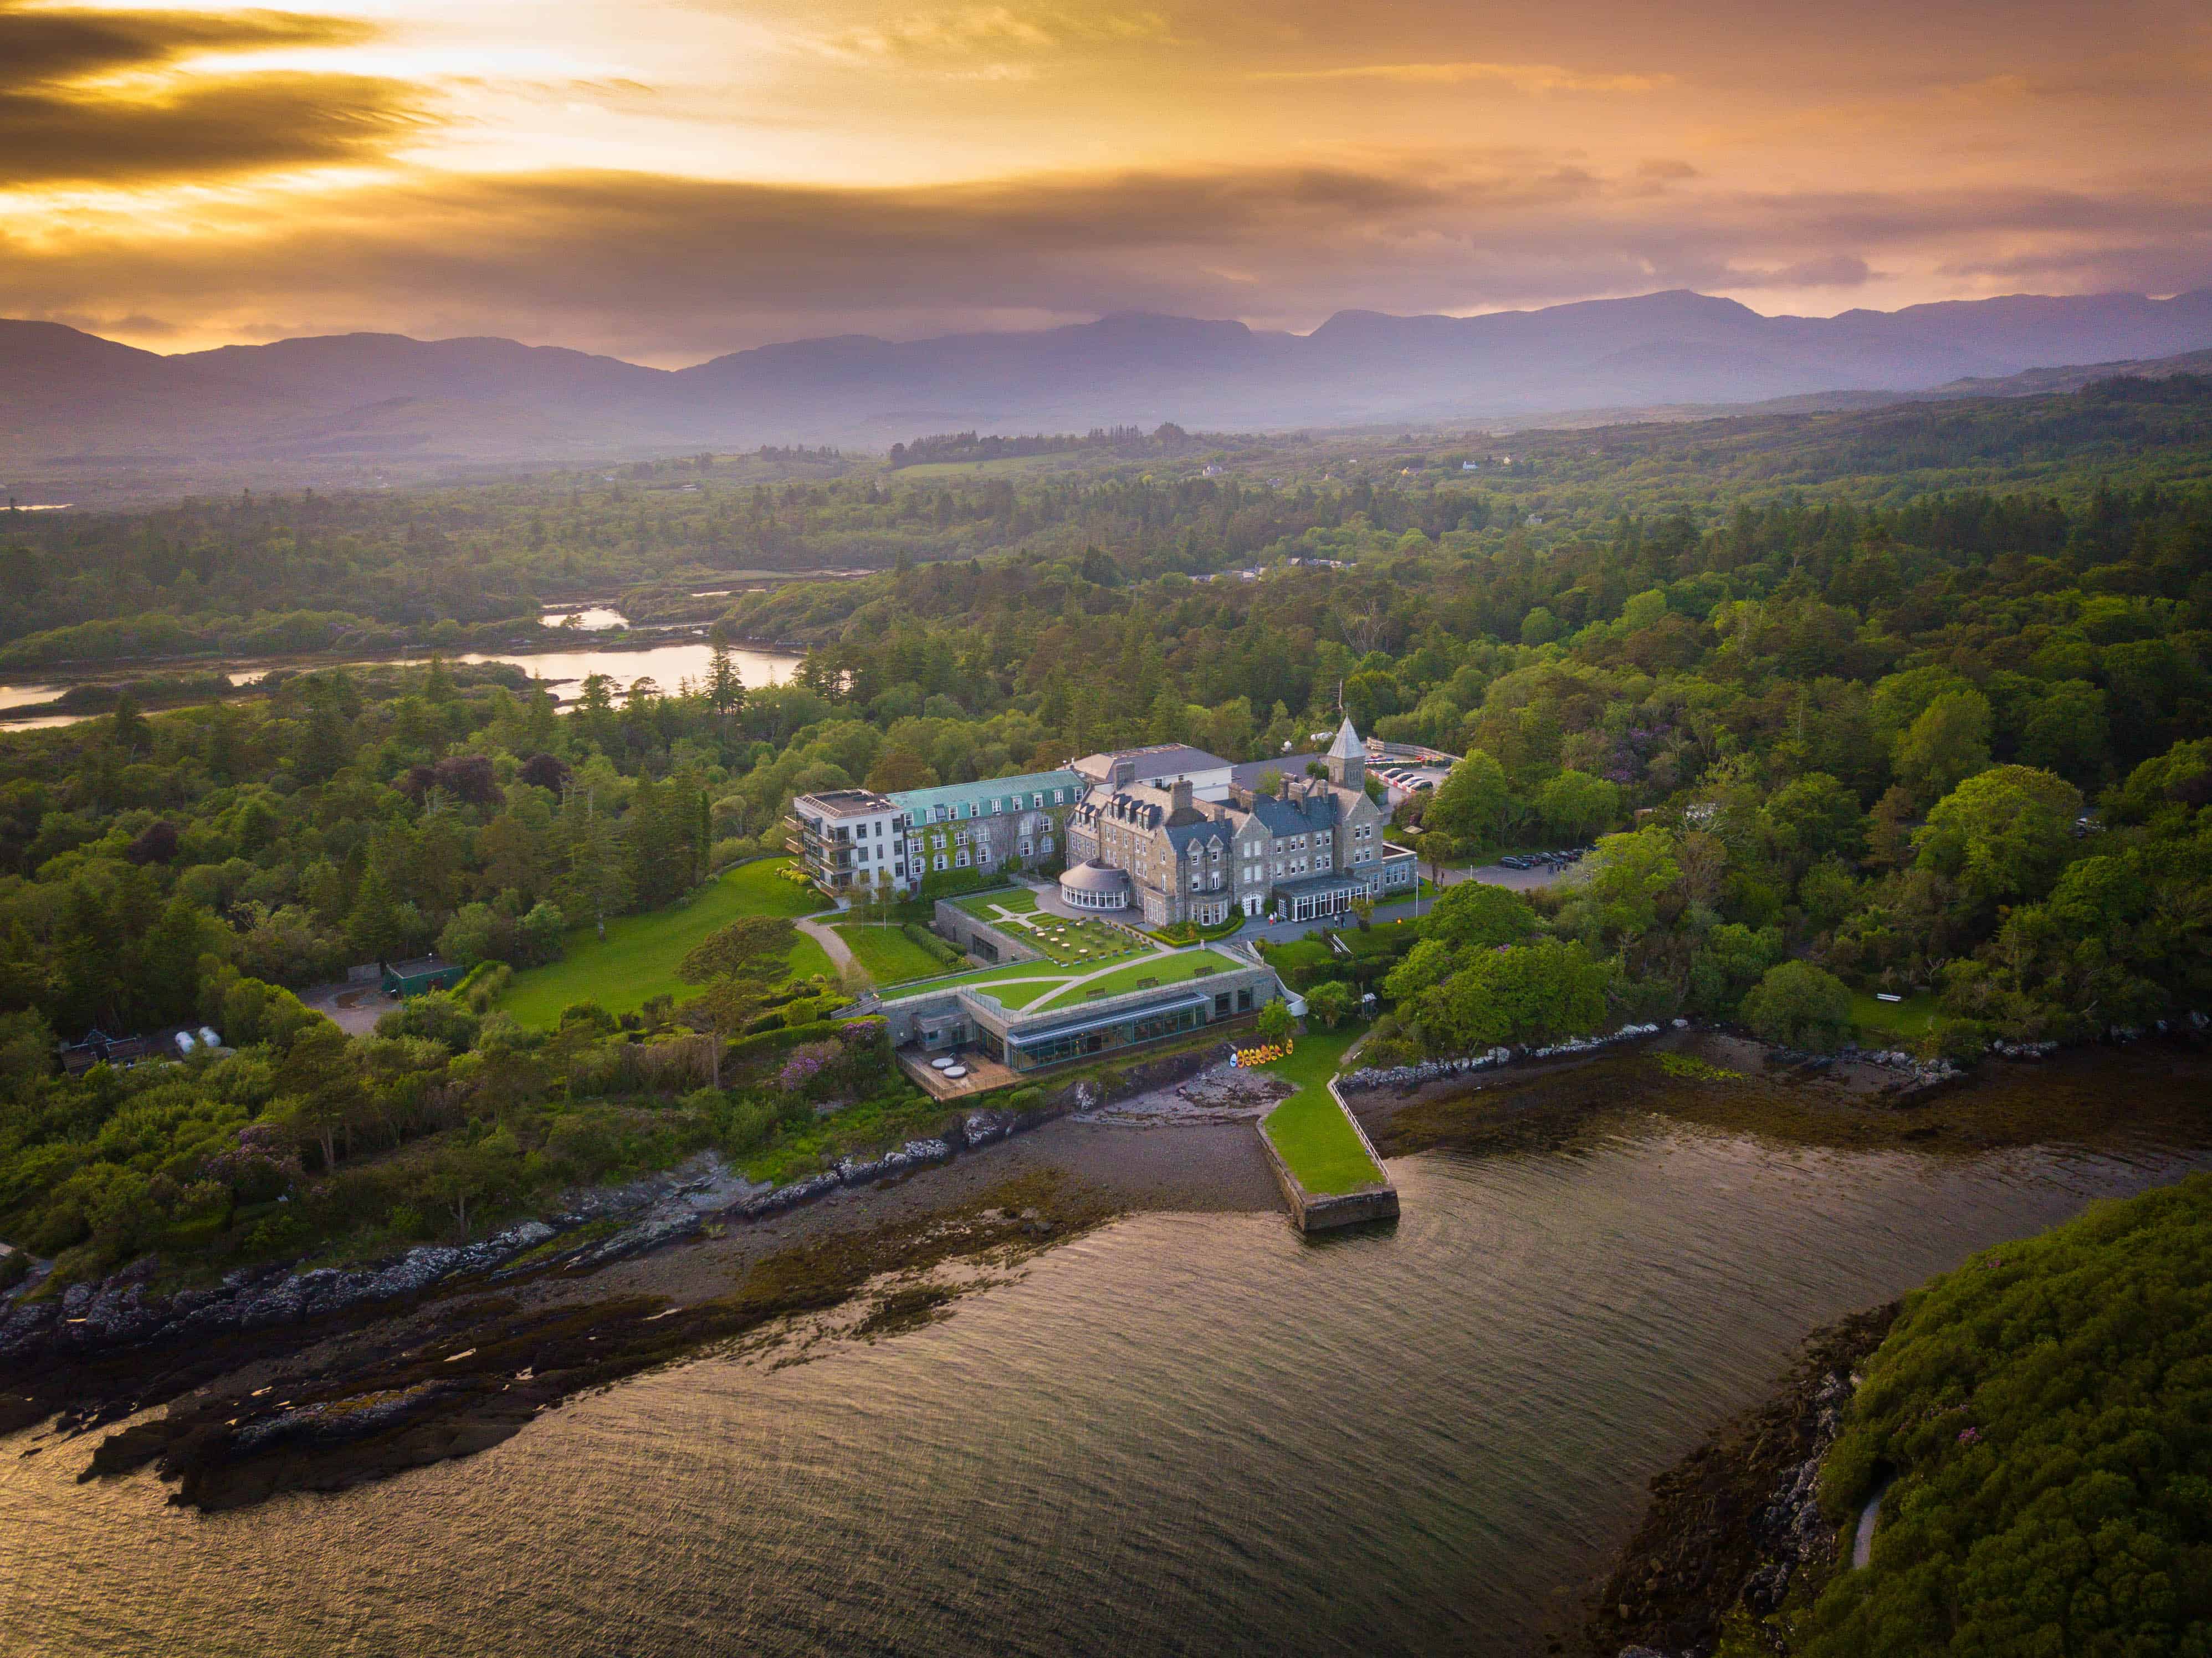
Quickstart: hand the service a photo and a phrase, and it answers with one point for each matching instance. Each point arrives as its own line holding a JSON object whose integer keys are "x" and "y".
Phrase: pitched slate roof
{"x": 1160, "y": 760}
{"x": 1347, "y": 746}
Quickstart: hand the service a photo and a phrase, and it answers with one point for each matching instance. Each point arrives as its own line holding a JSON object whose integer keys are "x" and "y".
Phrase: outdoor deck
{"x": 983, "y": 1074}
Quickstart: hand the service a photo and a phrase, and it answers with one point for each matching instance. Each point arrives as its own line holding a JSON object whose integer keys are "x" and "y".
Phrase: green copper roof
{"x": 983, "y": 794}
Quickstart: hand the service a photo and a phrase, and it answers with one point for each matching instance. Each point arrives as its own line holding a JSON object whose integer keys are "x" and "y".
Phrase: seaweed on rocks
{"x": 469, "y": 1374}
{"x": 1734, "y": 1522}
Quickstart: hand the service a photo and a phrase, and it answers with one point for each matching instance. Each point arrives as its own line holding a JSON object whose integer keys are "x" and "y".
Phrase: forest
{"x": 1911, "y": 729}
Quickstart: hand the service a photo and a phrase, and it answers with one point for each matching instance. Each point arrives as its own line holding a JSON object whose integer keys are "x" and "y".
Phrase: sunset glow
{"x": 667, "y": 182}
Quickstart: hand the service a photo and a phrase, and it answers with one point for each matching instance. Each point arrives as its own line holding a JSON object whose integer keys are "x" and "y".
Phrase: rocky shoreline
{"x": 390, "y": 1363}
{"x": 1735, "y": 1523}
{"x": 119, "y": 1313}
{"x": 467, "y": 1371}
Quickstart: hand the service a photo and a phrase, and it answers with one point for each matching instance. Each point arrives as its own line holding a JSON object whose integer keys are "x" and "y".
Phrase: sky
{"x": 665, "y": 182}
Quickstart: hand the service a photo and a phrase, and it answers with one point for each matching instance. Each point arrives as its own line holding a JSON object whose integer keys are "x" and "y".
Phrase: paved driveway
{"x": 355, "y": 1007}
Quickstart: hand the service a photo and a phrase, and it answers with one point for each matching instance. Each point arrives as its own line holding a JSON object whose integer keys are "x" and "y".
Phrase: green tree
{"x": 2063, "y": 730}
{"x": 1473, "y": 805}
{"x": 726, "y": 689}
{"x": 1946, "y": 745}
{"x": 322, "y": 1096}
{"x": 1810, "y": 818}
{"x": 2002, "y": 835}
{"x": 1578, "y": 805}
{"x": 467, "y": 1175}
{"x": 127, "y": 729}
{"x": 1476, "y": 915}
{"x": 751, "y": 943}
{"x": 1526, "y": 994}
{"x": 1331, "y": 1002}
{"x": 1729, "y": 961}
{"x": 373, "y": 928}
{"x": 1429, "y": 962}
{"x": 724, "y": 1008}
{"x": 2043, "y": 1410}
{"x": 1628, "y": 875}
{"x": 596, "y": 882}
{"x": 1273, "y": 1022}
{"x": 1799, "y": 1006}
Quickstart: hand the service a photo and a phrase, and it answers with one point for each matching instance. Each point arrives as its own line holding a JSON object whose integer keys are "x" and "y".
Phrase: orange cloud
{"x": 1521, "y": 77}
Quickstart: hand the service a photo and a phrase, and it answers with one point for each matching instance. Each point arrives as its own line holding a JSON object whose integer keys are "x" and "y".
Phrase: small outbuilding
{"x": 420, "y": 976}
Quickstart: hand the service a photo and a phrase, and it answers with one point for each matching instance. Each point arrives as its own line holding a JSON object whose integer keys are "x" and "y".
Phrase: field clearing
{"x": 1906, "y": 1021}
{"x": 638, "y": 960}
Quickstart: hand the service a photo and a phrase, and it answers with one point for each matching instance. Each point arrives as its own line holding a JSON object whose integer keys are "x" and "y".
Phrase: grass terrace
{"x": 986, "y": 906}
{"x": 1033, "y": 987}
{"x": 1311, "y": 1130}
{"x": 1084, "y": 942}
{"x": 889, "y": 956}
{"x": 638, "y": 960}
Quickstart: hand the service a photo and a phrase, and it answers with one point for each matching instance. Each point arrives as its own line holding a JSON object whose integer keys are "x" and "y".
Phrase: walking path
{"x": 839, "y": 952}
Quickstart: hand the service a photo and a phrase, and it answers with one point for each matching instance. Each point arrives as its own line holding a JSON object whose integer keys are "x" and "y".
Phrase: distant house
{"x": 420, "y": 976}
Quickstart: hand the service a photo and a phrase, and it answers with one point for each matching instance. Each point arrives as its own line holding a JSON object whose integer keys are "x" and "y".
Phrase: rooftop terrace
{"x": 1044, "y": 986}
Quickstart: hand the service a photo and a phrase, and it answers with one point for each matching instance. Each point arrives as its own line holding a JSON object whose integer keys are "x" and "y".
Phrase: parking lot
{"x": 1533, "y": 874}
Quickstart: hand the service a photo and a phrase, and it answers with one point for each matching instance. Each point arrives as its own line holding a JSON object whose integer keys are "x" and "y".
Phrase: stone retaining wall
{"x": 948, "y": 921}
{"x": 1313, "y": 1212}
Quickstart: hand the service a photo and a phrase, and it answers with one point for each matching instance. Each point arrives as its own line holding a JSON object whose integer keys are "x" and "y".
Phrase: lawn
{"x": 1081, "y": 942}
{"x": 985, "y": 906}
{"x": 1166, "y": 969}
{"x": 1019, "y": 992}
{"x": 1905, "y": 1020}
{"x": 887, "y": 954}
{"x": 1032, "y": 984}
{"x": 1381, "y": 939}
{"x": 638, "y": 960}
{"x": 1311, "y": 1130}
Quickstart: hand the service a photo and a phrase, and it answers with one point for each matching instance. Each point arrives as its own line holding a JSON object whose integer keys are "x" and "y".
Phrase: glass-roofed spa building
{"x": 1030, "y": 1015}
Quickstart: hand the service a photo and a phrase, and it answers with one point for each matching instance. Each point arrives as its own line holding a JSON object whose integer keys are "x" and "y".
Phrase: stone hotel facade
{"x": 1172, "y": 833}
{"x": 1178, "y": 834}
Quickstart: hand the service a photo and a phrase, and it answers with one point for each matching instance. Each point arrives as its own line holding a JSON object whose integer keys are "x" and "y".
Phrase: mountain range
{"x": 75, "y": 405}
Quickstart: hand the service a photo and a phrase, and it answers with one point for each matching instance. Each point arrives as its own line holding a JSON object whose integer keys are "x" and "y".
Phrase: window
{"x": 960, "y": 859}
{"x": 1022, "y": 846}
{"x": 941, "y": 863}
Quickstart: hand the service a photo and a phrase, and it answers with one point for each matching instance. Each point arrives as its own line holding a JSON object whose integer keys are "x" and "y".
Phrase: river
{"x": 1183, "y": 1433}
{"x": 667, "y": 665}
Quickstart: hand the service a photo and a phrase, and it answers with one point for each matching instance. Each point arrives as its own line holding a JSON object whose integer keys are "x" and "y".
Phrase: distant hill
{"x": 75, "y": 406}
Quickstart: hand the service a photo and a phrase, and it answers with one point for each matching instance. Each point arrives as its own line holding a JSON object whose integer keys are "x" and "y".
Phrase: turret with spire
{"x": 1348, "y": 758}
